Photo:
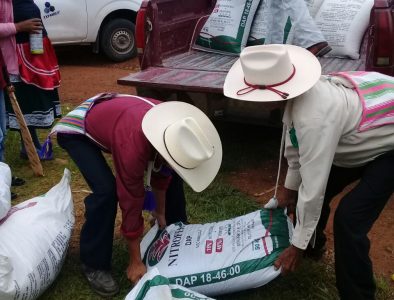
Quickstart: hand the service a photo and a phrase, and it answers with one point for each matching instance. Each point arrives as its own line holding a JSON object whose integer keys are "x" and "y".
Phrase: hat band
{"x": 251, "y": 87}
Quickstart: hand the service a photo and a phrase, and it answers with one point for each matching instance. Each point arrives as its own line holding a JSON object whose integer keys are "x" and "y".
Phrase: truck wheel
{"x": 117, "y": 40}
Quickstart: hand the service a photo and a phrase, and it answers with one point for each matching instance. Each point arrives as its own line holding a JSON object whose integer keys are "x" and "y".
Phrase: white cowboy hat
{"x": 186, "y": 138}
{"x": 272, "y": 73}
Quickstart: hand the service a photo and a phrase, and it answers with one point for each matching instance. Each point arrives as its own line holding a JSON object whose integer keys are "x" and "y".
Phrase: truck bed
{"x": 200, "y": 71}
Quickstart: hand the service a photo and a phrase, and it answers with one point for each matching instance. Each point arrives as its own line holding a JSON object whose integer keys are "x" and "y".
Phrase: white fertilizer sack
{"x": 259, "y": 31}
{"x": 34, "y": 238}
{"x": 343, "y": 24}
{"x": 5, "y": 192}
{"x": 222, "y": 257}
{"x": 153, "y": 286}
{"x": 227, "y": 28}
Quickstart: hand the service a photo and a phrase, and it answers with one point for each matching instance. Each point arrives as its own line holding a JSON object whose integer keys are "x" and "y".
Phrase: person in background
{"x": 306, "y": 34}
{"x": 8, "y": 63}
{"x": 163, "y": 139}
{"x": 35, "y": 77}
{"x": 337, "y": 129}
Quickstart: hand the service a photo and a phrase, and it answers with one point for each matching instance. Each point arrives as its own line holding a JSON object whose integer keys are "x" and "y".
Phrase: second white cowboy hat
{"x": 272, "y": 73}
{"x": 186, "y": 138}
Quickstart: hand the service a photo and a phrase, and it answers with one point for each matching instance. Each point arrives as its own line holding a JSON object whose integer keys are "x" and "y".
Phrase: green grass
{"x": 243, "y": 146}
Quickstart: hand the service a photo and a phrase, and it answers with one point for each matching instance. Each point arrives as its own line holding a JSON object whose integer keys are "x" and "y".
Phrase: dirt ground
{"x": 85, "y": 74}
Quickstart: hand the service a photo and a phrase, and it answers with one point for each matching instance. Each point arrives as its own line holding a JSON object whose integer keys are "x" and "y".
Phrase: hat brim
{"x": 308, "y": 71}
{"x": 154, "y": 124}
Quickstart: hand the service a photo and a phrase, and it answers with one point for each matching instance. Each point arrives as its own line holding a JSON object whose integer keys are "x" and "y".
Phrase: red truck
{"x": 172, "y": 70}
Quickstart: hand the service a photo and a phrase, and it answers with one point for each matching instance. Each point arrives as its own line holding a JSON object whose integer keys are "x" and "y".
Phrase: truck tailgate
{"x": 198, "y": 71}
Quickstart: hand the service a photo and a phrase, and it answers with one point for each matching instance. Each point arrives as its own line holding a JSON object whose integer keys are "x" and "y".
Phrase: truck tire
{"x": 117, "y": 40}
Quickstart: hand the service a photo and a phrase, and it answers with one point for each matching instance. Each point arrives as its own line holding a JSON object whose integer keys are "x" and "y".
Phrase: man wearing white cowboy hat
{"x": 337, "y": 129}
{"x": 164, "y": 139}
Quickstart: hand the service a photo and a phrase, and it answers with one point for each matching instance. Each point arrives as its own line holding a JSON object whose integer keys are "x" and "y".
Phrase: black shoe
{"x": 320, "y": 49}
{"x": 14, "y": 196}
{"x": 100, "y": 281}
{"x": 16, "y": 181}
{"x": 315, "y": 253}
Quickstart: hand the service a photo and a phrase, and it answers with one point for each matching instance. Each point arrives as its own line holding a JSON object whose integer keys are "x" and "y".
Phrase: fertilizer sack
{"x": 222, "y": 257}
{"x": 153, "y": 286}
{"x": 227, "y": 28}
{"x": 344, "y": 23}
{"x": 34, "y": 238}
{"x": 5, "y": 192}
{"x": 259, "y": 31}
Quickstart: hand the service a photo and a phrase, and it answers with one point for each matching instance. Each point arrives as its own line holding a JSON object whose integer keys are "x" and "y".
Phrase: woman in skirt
{"x": 37, "y": 82}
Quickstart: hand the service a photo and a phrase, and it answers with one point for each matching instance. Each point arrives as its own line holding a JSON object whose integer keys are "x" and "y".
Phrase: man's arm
{"x": 136, "y": 268}
{"x": 319, "y": 123}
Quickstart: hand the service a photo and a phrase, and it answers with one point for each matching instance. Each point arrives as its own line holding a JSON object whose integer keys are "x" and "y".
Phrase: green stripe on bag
{"x": 155, "y": 281}
{"x": 181, "y": 294}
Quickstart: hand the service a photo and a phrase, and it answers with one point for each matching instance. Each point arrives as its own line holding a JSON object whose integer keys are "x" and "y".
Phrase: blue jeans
{"x": 2, "y": 125}
{"x": 96, "y": 239}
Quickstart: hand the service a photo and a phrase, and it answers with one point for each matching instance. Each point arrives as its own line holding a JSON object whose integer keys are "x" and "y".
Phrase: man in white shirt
{"x": 337, "y": 129}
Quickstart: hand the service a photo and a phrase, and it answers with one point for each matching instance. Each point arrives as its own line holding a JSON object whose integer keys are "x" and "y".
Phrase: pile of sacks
{"x": 34, "y": 237}
{"x": 235, "y": 24}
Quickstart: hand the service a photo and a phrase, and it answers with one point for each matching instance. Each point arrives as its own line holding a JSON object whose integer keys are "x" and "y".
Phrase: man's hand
{"x": 289, "y": 259}
{"x": 136, "y": 268}
{"x": 135, "y": 271}
{"x": 31, "y": 25}
{"x": 288, "y": 199}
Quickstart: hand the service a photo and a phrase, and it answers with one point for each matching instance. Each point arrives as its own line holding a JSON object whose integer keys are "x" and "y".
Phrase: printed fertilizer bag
{"x": 227, "y": 28}
{"x": 153, "y": 286}
{"x": 222, "y": 257}
{"x": 343, "y": 23}
{"x": 34, "y": 238}
{"x": 5, "y": 192}
{"x": 259, "y": 31}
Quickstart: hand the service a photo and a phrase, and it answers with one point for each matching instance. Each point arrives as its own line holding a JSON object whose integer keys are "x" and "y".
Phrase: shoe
{"x": 16, "y": 181}
{"x": 319, "y": 49}
{"x": 14, "y": 196}
{"x": 315, "y": 254}
{"x": 100, "y": 281}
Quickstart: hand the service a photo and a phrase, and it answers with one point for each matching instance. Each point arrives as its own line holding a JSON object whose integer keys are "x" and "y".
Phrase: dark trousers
{"x": 97, "y": 232}
{"x": 354, "y": 217}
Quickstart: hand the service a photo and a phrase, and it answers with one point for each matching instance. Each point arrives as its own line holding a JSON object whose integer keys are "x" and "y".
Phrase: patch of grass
{"x": 242, "y": 146}
{"x": 218, "y": 202}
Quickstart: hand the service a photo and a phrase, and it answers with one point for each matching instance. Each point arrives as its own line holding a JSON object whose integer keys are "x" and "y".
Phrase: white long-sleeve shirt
{"x": 326, "y": 120}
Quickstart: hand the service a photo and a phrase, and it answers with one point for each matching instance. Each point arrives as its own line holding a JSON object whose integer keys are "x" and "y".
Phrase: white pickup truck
{"x": 106, "y": 24}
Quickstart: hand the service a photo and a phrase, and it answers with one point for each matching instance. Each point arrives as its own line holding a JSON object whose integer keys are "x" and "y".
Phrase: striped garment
{"x": 376, "y": 91}
{"x": 74, "y": 121}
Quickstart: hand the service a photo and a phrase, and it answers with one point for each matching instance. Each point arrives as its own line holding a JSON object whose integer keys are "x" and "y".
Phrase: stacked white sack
{"x": 34, "y": 238}
{"x": 5, "y": 189}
